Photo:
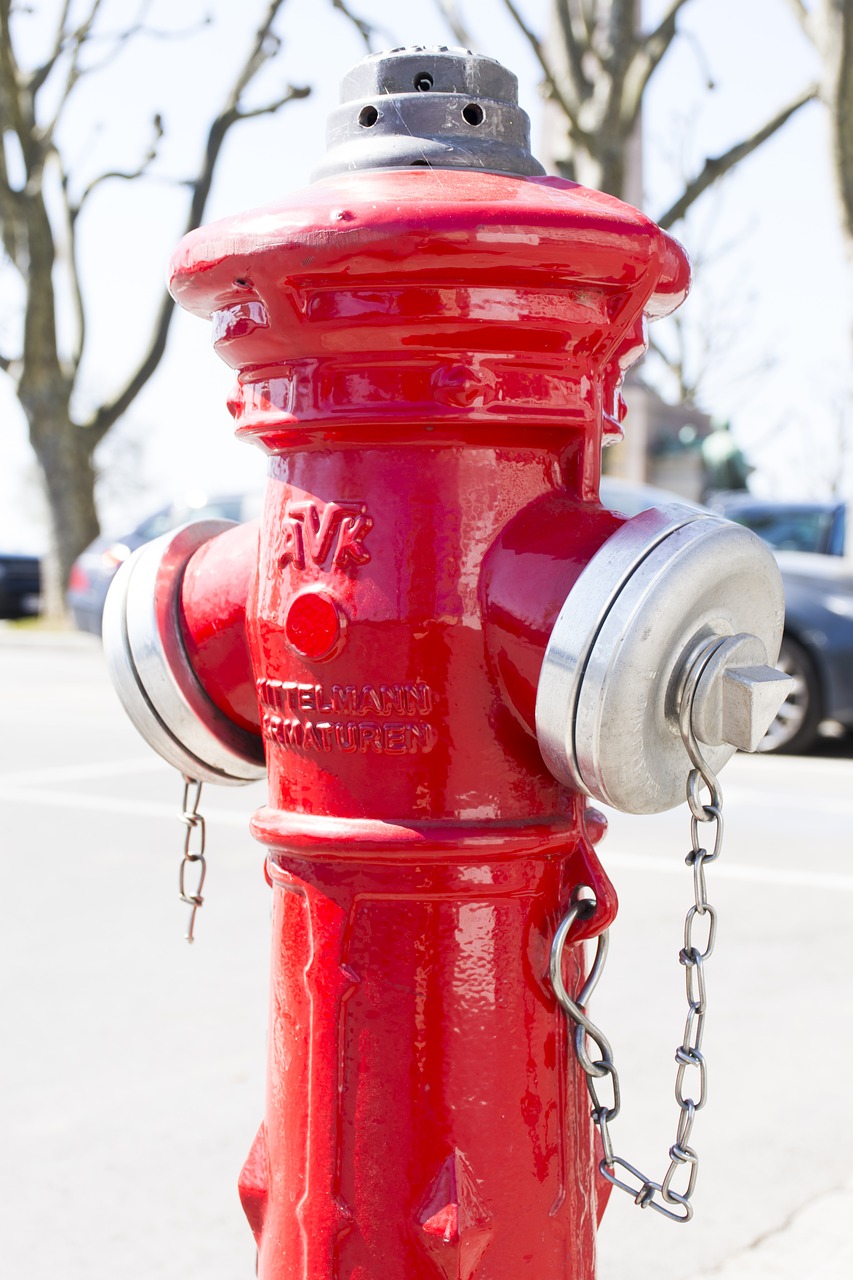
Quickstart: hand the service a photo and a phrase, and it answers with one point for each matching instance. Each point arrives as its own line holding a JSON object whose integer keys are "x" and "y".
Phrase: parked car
{"x": 819, "y": 527}
{"x": 817, "y": 646}
{"x": 20, "y": 585}
{"x": 94, "y": 570}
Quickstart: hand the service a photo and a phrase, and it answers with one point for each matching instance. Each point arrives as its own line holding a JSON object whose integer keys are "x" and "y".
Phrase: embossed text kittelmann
{"x": 388, "y": 719}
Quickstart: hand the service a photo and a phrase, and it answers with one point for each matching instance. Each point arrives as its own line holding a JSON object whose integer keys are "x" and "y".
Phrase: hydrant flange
{"x": 152, "y": 672}
{"x": 662, "y": 588}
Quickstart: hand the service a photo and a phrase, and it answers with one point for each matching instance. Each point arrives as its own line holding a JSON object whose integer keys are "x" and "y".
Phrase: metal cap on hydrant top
{"x": 435, "y": 641}
{"x": 431, "y": 107}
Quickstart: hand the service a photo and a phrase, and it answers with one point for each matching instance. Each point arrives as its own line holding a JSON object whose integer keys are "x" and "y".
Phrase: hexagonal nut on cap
{"x": 738, "y": 695}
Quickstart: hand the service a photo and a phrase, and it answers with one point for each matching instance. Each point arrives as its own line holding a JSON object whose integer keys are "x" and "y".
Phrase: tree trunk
{"x": 594, "y": 154}
{"x": 65, "y": 459}
{"x": 829, "y": 26}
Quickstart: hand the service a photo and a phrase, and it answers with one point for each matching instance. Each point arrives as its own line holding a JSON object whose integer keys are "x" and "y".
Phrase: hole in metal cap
{"x": 367, "y": 117}
{"x": 423, "y": 82}
{"x": 473, "y": 113}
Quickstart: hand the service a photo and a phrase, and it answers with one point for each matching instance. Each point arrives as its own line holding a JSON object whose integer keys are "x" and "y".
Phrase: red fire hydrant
{"x": 429, "y": 343}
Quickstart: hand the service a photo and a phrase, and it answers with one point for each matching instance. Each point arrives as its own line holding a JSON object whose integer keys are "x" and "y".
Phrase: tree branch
{"x": 364, "y": 28}
{"x": 139, "y": 28}
{"x": 85, "y": 35}
{"x": 645, "y": 60}
{"x": 575, "y": 43}
{"x": 11, "y": 107}
{"x": 33, "y": 235}
{"x": 291, "y": 94}
{"x": 126, "y": 175}
{"x": 10, "y": 212}
{"x": 586, "y": 18}
{"x": 841, "y": 113}
{"x": 41, "y": 73}
{"x": 264, "y": 47}
{"x": 676, "y": 363}
{"x": 77, "y": 40}
{"x": 801, "y": 14}
{"x": 449, "y": 10}
{"x": 73, "y": 267}
{"x": 716, "y": 166}
{"x": 552, "y": 84}
{"x": 666, "y": 22}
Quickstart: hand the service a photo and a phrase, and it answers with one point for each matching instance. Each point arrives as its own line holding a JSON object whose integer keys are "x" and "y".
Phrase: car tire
{"x": 795, "y": 728}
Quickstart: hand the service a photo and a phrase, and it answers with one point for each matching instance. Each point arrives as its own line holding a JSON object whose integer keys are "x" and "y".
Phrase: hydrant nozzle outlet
{"x": 668, "y": 584}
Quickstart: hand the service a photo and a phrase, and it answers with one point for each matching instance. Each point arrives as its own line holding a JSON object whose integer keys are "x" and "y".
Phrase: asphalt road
{"x": 131, "y": 1082}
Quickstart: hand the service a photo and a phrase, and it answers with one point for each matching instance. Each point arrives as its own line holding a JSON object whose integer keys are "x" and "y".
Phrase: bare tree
{"x": 42, "y": 244}
{"x": 596, "y": 63}
{"x": 829, "y": 26}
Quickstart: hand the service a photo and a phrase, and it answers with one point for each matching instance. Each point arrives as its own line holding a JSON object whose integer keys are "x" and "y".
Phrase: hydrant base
{"x": 452, "y": 1130}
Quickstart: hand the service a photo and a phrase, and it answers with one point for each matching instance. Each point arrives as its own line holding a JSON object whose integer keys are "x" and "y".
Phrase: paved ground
{"x": 774, "y": 1190}
{"x": 134, "y": 1083}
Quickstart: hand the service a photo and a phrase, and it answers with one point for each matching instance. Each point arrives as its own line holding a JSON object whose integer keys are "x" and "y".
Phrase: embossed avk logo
{"x": 314, "y": 530}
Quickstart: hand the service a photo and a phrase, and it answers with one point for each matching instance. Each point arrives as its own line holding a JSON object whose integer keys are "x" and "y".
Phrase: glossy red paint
{"x": 431, "y": 360}
{"x": 314, "y": 625}
{"x": 416, "y": 1027}
{"x": 214, "y": 589}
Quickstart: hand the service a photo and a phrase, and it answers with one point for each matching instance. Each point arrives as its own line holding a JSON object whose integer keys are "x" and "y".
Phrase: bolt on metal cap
{"x": 429, "y": 107}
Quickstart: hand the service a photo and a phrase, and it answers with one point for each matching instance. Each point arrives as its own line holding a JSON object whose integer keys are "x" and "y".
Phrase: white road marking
{"x": 121, "y": 806}
{"x": 780, "y": 876}
{"x": 83, "y": 772}
{"x": 788, "y": 795}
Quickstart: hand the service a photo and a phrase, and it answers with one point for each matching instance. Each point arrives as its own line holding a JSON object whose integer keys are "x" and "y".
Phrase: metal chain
{"x": 660, "y": 1196}
{"x": 194, "y": 842}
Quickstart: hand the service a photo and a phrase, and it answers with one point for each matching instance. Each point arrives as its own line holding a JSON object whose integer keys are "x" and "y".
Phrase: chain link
{"x": 194, "y": 844}
{"x": 692, "y": 1074}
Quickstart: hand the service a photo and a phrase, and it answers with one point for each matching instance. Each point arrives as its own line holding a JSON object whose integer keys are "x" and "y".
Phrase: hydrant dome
{"x": 371, "y": 222}
{"x": 448, "y": 269}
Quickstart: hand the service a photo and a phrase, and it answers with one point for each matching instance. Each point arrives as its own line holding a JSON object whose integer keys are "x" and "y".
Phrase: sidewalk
{"x": 814, "y": 1244}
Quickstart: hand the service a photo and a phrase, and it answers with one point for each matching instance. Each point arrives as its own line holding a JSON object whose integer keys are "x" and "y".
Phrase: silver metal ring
{"x": 578, "y": 625}
{"x": 152, "y": 673}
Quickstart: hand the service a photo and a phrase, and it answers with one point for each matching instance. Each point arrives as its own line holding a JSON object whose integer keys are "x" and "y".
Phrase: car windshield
{"x": 217, "y": 508}
{"x": 789, "y": 530}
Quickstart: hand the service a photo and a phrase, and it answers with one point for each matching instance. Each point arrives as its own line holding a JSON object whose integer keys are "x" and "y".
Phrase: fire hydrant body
{"x": 414, "y": 355}
{"x": 431, "y": 358}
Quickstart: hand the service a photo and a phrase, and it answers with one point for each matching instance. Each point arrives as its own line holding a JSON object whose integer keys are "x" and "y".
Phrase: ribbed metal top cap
{"x": 431, "y": 107}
